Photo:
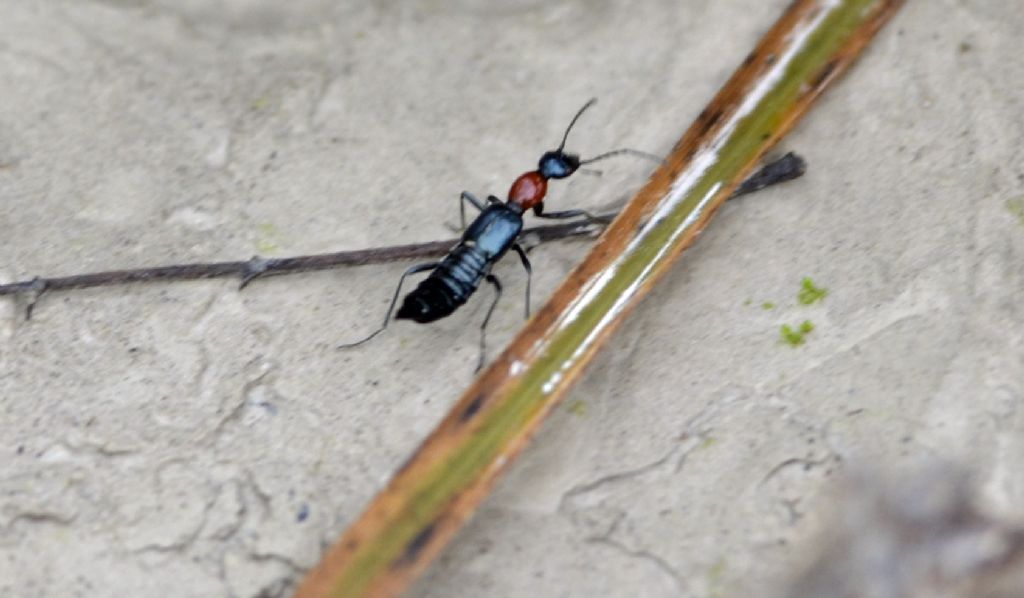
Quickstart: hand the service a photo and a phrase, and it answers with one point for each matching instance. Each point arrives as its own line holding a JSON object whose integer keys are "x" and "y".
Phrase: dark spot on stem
{"x": 472, "y": 409}
{"x": 709, "y": 121}
{"x": 825, "y": 73}
{"x": 415, "y": 546}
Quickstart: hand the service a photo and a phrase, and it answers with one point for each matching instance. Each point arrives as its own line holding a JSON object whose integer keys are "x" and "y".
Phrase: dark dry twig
{"x": 786, "y": 168}
{"x": 249, "y": 270}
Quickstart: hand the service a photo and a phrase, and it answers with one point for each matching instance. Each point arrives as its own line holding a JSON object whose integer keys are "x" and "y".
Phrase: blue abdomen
{"x": 458, "y": 275}
{"x": 494, "y": 231}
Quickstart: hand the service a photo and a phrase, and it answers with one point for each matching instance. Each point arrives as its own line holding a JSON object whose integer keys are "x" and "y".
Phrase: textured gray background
{"x": 164, "y": 439}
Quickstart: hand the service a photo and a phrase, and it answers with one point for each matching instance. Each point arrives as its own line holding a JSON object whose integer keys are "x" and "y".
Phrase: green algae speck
{"x": 809, "y": 293}
{"x": 1016, "y": 207}
{"x": 260, "y": 103}
{"x": 716, "y": 579}
{"x": 767, "y": 305}
{"x": 795, "y": 337}
{"x": 266, "y": 238}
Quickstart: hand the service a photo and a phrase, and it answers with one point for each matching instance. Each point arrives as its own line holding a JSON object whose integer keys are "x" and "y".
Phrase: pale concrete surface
{"x": 191, "y": 440}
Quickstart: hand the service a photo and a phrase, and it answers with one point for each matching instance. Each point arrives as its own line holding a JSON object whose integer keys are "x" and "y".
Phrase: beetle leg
{"x": 483, "y": 327}
{"x": 538, "y": 211}
{"x": 394, "y": 300}
{"x": 529, "y": 273}
{"x": 467, "y": 196}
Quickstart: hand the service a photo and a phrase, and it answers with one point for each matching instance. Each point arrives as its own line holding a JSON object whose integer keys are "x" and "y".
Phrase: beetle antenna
{"x": 626, "y": 150}
{"x": 589, "y": 103}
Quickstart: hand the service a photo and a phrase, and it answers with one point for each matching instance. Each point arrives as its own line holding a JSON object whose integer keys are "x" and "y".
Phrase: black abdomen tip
{"x": 431, "y": 300}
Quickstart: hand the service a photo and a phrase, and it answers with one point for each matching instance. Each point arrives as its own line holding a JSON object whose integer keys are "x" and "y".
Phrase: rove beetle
{"x": 458, "y": 275}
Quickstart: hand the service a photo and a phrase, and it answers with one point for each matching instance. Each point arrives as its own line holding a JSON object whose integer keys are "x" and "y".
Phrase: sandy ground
{"x": 191, "y": 440}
